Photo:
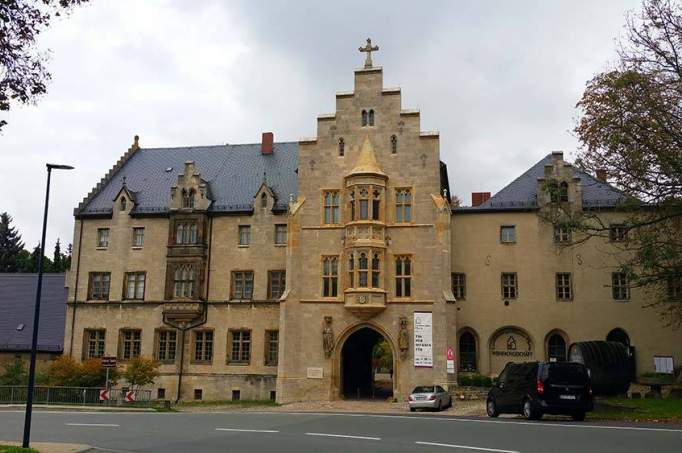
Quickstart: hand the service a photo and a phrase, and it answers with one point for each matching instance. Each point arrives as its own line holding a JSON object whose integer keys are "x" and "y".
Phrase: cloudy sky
{"x": 498, "y": 79}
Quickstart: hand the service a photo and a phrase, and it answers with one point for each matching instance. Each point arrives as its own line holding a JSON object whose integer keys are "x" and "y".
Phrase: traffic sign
{"x": 108, "y": 362}
{"x": 104, "y": 395}
{"x": 130, "y": 396}
{"x": 451, "y": 353}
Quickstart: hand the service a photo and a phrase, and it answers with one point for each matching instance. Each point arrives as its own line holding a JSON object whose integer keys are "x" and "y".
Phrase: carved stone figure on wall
{"x": 403, "y": 338}
{"x": 327, "y": 336}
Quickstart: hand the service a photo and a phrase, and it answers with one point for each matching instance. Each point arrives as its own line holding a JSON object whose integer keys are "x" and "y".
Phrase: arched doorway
{"x": 367, "y": 366}
{"x": 619, "y": 336}
{"x": 555, "y": 347}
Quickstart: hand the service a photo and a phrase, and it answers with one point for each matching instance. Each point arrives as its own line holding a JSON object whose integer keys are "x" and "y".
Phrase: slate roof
{"x": 17, "y": 302}
{"x": 522, "y": 193}
{"x": 234, "y": 174}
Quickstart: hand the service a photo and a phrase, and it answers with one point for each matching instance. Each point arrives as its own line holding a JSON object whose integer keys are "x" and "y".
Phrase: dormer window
{"x": 188, "y": 198}
{"x": 264, "y": 200}
{"x": 563, "y": 192}
{"x": 123, "y": 203}
{"x": 553, "y": 192}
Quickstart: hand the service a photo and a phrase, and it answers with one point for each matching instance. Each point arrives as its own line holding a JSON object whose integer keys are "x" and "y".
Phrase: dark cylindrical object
{"x": 609, "y": 362}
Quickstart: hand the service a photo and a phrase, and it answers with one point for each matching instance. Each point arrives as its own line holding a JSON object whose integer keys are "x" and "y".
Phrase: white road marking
{"x": 343, "y": 435}
{"x": 248, "y": 430}
{"x": 98, "y": 425}
{"x": 466, "y": 447}
{"x": 468, "y": 420}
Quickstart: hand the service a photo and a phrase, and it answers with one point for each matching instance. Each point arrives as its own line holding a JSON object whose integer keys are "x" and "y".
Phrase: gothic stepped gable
{"x": 234, "y": 174}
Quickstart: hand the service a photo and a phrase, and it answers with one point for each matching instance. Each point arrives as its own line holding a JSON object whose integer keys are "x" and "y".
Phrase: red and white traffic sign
{"x": 104, "y": 395}
{"x": 130, "y": 396}
{"x": 451, "y": 353}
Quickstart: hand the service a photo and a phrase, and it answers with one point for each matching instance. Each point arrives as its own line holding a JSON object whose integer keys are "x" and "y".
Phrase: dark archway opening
{"x": 619, "y": 336}
{"x": 367, "y": 366}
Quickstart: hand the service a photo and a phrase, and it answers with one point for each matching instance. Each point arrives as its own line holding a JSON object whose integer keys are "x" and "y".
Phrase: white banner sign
{"x": 423, "y": 339}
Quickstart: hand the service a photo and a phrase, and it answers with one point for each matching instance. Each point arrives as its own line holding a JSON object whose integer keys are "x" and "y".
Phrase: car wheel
{"x": 491, "y": 408}
{"x": 578, "y": 416}
{"x": 529, "y": 411}
{"x": 412, "y": 409}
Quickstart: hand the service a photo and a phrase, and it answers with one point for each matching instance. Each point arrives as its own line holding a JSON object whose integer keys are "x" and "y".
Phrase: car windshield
{"x": 567, "y": 371}
{"x": 423, "y": 389}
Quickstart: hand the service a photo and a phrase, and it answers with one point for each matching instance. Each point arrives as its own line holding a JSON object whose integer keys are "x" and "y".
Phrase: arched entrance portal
{"x": 367, "y": 366}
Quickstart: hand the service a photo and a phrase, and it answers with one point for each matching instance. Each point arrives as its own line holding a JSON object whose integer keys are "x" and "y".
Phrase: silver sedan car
{"x": 432, "y": 397}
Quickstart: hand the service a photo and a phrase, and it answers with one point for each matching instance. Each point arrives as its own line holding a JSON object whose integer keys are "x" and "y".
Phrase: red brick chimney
{"x": 601, "y": 175}
{"x": 478, "y": 198}
{"x": 266, "y": 146}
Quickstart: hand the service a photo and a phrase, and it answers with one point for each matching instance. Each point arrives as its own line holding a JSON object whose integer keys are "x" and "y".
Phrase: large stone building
{"x": 274, "y": 269}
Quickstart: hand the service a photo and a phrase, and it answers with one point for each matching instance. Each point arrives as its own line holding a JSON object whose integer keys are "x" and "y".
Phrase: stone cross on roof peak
{"x": 369, "y": 49}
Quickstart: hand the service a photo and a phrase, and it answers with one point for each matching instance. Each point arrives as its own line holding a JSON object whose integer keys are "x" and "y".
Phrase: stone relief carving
{"x": 403, "y": 338}
{"x": 327, "y": 336}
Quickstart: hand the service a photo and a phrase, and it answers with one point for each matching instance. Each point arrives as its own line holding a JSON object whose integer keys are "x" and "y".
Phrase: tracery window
{"x": 342, "y": 147}
{"x": 376, "y": 204}
{"x": 186, "y": 233}
{"x": 362, "y": 270}
{"x": 331, "y": 207}
{"x": 184, "y": 279}
{"x": 403, "y": 205}
{"x": 563, "y": 192}
{"x": 188, "y": 198}
{"x": 376, "y": 272}
{"x": 364, "y": 204}
{"x": 403, "y": 276}
{"x": 330, "y": 276}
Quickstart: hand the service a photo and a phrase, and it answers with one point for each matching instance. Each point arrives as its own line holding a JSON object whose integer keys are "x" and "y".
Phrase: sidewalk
{"x": 53, "y": 447}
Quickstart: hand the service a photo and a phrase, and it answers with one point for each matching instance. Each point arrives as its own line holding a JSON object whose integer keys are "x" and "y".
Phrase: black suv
{"x": 537, "y": 388}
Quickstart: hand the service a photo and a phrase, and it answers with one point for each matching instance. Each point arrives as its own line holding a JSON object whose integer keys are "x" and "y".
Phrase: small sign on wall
{"x": 423, "y": 339}
{"x": 450, "y": 360}
{"x": 314, "y": 373}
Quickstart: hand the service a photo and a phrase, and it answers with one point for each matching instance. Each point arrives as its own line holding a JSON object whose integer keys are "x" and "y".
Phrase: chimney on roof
{"x": 478, "y": 198}
{"x": 557, "y": 155}
{"x": 601, "y": 174}
{"x": 267, "y": 144}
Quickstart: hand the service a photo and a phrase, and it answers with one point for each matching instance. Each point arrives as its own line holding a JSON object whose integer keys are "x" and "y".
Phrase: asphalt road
{"x": 254, "y": 432}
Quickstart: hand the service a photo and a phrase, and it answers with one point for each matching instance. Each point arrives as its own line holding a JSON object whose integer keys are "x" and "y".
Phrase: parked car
{"x": 432, "y": 397}
{"x": 537, "y": 388}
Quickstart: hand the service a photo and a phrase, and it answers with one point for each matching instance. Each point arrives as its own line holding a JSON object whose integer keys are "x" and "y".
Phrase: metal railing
{"x": 79, "y": 396}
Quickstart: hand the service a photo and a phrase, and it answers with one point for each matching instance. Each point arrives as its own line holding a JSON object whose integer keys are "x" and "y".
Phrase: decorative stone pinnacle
{"x": 368, "y": 49}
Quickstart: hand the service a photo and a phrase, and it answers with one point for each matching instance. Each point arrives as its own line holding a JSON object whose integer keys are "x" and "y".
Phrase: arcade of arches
{"x": 513, "y": 344}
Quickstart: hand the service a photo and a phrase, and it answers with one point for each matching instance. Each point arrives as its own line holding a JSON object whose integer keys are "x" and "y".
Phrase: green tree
{"x": 67, "y": 372}
{"x": 23, "y": 75}
{"x": 57, "y": 258}
{"x": 14, "y": 373}
{"x": 140, "y": 372}
{"x": 630, "y": 125}
{"x": 10, "y": 245}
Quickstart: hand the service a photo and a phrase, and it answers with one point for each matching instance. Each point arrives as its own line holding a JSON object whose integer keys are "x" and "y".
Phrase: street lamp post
{"x": 36, "y": 313}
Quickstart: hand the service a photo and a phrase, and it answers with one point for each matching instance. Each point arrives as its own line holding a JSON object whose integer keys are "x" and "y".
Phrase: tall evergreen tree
{"x": 10, "y": 245}
{"x": 57, "y": 258}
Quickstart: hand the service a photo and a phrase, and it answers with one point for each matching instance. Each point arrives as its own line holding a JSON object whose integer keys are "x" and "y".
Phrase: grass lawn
{"x": 10, "y": 449}
{"x": 231, "y": 403}
{"x": 653, "y": 410}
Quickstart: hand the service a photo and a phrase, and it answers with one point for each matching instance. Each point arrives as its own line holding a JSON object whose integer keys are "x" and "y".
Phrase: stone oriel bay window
{"x": 93, "y": 343}
{"x": 98, "y": 285}
{"x": 203, "y": 346}
{"x": 239, "y": 346}
{"x": 184, "y": 281}
{"x": 133, "y": 285}
{"x": 364, "y": 202}
{"x": 129, "y": 343}
{"x": 364, "y": 267}
{"x": 186, "y": 233}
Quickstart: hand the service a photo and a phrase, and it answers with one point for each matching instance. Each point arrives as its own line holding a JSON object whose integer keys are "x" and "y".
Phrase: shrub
{"x": 14, "y": 373}
{"x": 464, "y": 380}
{"x": 67, "y": 372}
{"x": 477, "y": 380}
{"x": 487, "y": 382}
{"x": 141, "y": 372}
